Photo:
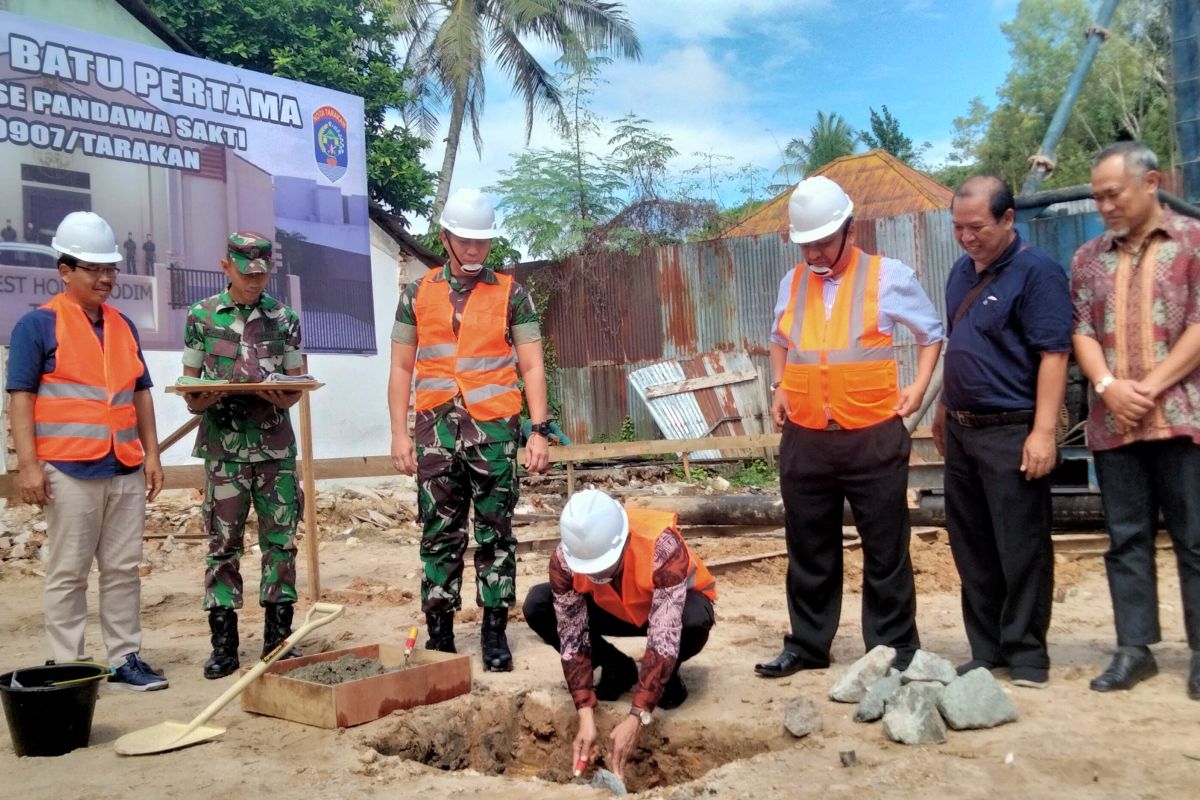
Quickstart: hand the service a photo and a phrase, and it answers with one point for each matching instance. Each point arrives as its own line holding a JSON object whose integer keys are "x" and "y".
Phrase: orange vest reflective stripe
{"x": 84, "y": 408}
{"x": 841, "y": 368}
{"x": 479, "y": 362}
{"x": 637, "y": 571}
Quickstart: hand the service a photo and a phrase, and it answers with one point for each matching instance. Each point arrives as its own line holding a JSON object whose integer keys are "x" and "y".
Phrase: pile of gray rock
{"x": 25, "y": 543}
{"x": 917, "y": 705}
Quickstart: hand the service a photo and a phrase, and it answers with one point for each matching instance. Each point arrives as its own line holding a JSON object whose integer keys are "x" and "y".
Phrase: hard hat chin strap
{"x": 470, "y": 269}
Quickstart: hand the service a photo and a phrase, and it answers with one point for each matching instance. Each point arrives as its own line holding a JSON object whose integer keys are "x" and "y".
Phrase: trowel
{"x": 172, "y": 735}
{"x": 601, "y": 779}
{"x": 409, "y": 644}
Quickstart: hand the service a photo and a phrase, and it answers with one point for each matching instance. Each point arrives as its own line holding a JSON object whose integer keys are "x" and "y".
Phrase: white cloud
{"x": 691, "y": 20}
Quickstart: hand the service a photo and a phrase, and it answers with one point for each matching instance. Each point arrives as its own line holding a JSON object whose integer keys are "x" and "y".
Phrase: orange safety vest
{"x": 84, "y": 408}
{"x": 479, "y": 362}
{"x": 841, "y": 368}
{"x": 637, "y": 571}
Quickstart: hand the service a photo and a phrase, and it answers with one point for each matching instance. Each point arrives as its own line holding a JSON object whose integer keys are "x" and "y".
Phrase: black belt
{"x": 969, "y": 419}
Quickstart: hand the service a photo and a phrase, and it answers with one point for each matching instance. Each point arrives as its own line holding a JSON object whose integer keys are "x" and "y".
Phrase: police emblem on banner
{"x": 329, "y": 140}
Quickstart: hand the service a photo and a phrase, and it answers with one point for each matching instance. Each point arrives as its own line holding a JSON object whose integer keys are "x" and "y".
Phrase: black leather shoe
{"x": 1129, "y": 667}
{"x": 786, "y": 663}
{"x": 618, "y": 674}
{"x": 674, "y": 693}
{"x": 1194, "y": 676}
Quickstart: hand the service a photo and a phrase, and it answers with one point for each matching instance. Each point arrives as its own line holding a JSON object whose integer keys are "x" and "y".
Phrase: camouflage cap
{"x": 250, "y": 252}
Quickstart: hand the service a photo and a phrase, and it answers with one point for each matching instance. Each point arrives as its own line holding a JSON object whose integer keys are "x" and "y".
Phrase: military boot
{"x": 496, "y": 655}
{"x": 222, "y": 623}
{"x": 277, "y": 626}
{"x": 441, "y": 631}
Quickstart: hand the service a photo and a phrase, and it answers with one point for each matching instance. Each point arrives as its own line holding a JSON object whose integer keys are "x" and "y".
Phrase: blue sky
{"x": 742, "y": 77}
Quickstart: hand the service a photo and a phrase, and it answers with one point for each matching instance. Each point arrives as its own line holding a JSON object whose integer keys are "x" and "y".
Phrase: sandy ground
{"x": 726, "y": 741}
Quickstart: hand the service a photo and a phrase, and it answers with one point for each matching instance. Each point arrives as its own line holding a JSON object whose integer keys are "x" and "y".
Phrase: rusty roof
{"x": 880, "y": 185}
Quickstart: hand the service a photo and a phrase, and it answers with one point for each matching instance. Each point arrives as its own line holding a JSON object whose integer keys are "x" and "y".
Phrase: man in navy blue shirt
{"x": 84, "y": 432}
{"x": 1005, "y": 376}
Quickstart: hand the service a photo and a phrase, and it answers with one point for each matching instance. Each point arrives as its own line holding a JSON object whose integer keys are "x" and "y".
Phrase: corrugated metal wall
{"x": 613, "y": 313}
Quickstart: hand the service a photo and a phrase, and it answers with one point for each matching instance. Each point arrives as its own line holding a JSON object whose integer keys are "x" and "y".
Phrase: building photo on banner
{"x": 175, "y": 153}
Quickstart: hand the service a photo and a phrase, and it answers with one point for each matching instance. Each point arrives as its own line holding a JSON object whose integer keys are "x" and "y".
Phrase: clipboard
{"x": 243, "y": 388}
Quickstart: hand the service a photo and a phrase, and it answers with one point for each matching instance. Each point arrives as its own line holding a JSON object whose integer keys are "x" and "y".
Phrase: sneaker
{"x": 1030, "y": 677}
{"x": 138, "y": 675}
{"x": 973, "y": 664}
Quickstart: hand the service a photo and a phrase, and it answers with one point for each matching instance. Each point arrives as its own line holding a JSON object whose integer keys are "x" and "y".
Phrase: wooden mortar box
{"x": 432, "y": 678}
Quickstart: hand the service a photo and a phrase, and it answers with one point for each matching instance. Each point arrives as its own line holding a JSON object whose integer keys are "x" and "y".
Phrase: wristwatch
{"x": 1104, "y": 383}
{"x": 644, "y": 717}
{"x": 541, "y": 427}
{"x": 775, "y": 385}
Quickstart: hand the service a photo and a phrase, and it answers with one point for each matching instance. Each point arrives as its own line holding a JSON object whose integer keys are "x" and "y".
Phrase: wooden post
{"x": 570, "y": 478}
{"x": 687, "y": 469}
{"x": 311, "y": 529}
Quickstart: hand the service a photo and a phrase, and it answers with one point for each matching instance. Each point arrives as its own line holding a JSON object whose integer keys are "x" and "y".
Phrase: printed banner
{"x": 176, "y": 153}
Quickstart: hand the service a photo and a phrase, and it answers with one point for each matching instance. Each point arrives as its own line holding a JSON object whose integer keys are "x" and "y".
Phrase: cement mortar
{"x": 341, "y": 670}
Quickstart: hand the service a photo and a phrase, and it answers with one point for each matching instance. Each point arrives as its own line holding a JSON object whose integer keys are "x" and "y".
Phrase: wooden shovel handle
{"x": 320, "y": 614}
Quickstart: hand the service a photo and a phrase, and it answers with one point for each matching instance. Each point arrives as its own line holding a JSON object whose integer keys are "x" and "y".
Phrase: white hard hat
{"x": 86, "y": 236}
{"x": 469, "y": 214}
{"x": 594, "y": 528}
{"x": 818, "y": 208}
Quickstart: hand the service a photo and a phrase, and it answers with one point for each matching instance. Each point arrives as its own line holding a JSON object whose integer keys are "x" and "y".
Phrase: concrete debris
{"x": 603, "y": 779}
{"x": 801, "y": 718}
{"x": 874, "y": 701}
{"x": 926, "y": 666}
{"x": 853, "y": 685}
{"x": 912, "y": 718}
{"x": 720, "y": 484}
{"x": 976, "y": 700}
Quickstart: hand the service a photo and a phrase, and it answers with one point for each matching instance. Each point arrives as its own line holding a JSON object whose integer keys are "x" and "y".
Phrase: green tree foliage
{"x": 1125, "y": 95}
{"x": 449, "y": 42}
{"x": 552, "y": 199}
{"x": 830, "y": 138}
{"x": 885, "y": 134}
{"x": 642, "y": 154}
{"x": 346, "y": 45}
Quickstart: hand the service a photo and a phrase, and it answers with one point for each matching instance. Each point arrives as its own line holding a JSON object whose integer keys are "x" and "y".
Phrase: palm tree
{"x": 830, "y": 138}
{"x": 450, "y": 41}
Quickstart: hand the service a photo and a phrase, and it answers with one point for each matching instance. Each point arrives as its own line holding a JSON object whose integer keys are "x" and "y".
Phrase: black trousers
{"x": 819, "y": 472}
{"x": 698, "y": 620}
{"x": 1136, "y": 482}
{"x": 1000, "y": 537}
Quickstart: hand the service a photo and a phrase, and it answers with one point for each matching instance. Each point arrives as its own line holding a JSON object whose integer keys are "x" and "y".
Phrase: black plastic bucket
{"x": 49, "y": 709}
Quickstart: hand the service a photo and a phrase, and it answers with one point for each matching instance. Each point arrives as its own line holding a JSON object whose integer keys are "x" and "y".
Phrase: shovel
{"x": 173, "y": 735}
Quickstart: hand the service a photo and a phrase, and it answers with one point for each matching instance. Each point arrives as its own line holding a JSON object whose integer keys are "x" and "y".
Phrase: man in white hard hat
{"x": 468, "y": 333}
{"x": 838, "y": 400}
{"x": 621, "y": 572}
{"x": 87, "y": 448}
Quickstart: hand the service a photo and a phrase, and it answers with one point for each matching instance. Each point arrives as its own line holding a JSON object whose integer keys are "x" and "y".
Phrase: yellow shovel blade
{"x": 165, "y": 736}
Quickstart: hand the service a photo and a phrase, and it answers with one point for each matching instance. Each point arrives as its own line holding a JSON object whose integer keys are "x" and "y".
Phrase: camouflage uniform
{"x": 248, "y": 446}
{"x": 461, "y": 460}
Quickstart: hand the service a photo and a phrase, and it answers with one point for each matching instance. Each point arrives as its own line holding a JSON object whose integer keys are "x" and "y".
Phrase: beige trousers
{"x": 101, "y": 519}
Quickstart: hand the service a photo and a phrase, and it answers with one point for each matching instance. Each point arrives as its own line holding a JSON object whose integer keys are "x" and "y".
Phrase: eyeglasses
{"x": 95, "y": 271}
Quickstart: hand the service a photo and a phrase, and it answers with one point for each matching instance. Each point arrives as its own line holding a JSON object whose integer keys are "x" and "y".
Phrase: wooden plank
{"x": 243, "y": 388}
{"x": 192, "y": 476}
{"x": 726, "y": 564}
{"x": 311, "y": 530}
{"x": 702, "y": 382}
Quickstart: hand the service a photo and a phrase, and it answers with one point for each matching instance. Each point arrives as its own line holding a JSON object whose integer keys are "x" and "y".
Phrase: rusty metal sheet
{"x": 729, "y": 410}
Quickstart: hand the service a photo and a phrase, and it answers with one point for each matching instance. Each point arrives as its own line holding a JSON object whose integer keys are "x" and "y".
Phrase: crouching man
{"x": 621, "y": 572}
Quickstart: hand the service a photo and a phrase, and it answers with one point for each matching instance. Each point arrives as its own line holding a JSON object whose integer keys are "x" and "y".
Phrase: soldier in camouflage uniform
{"x": 465, "y": 330}
{"x": 246, "y": 440}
